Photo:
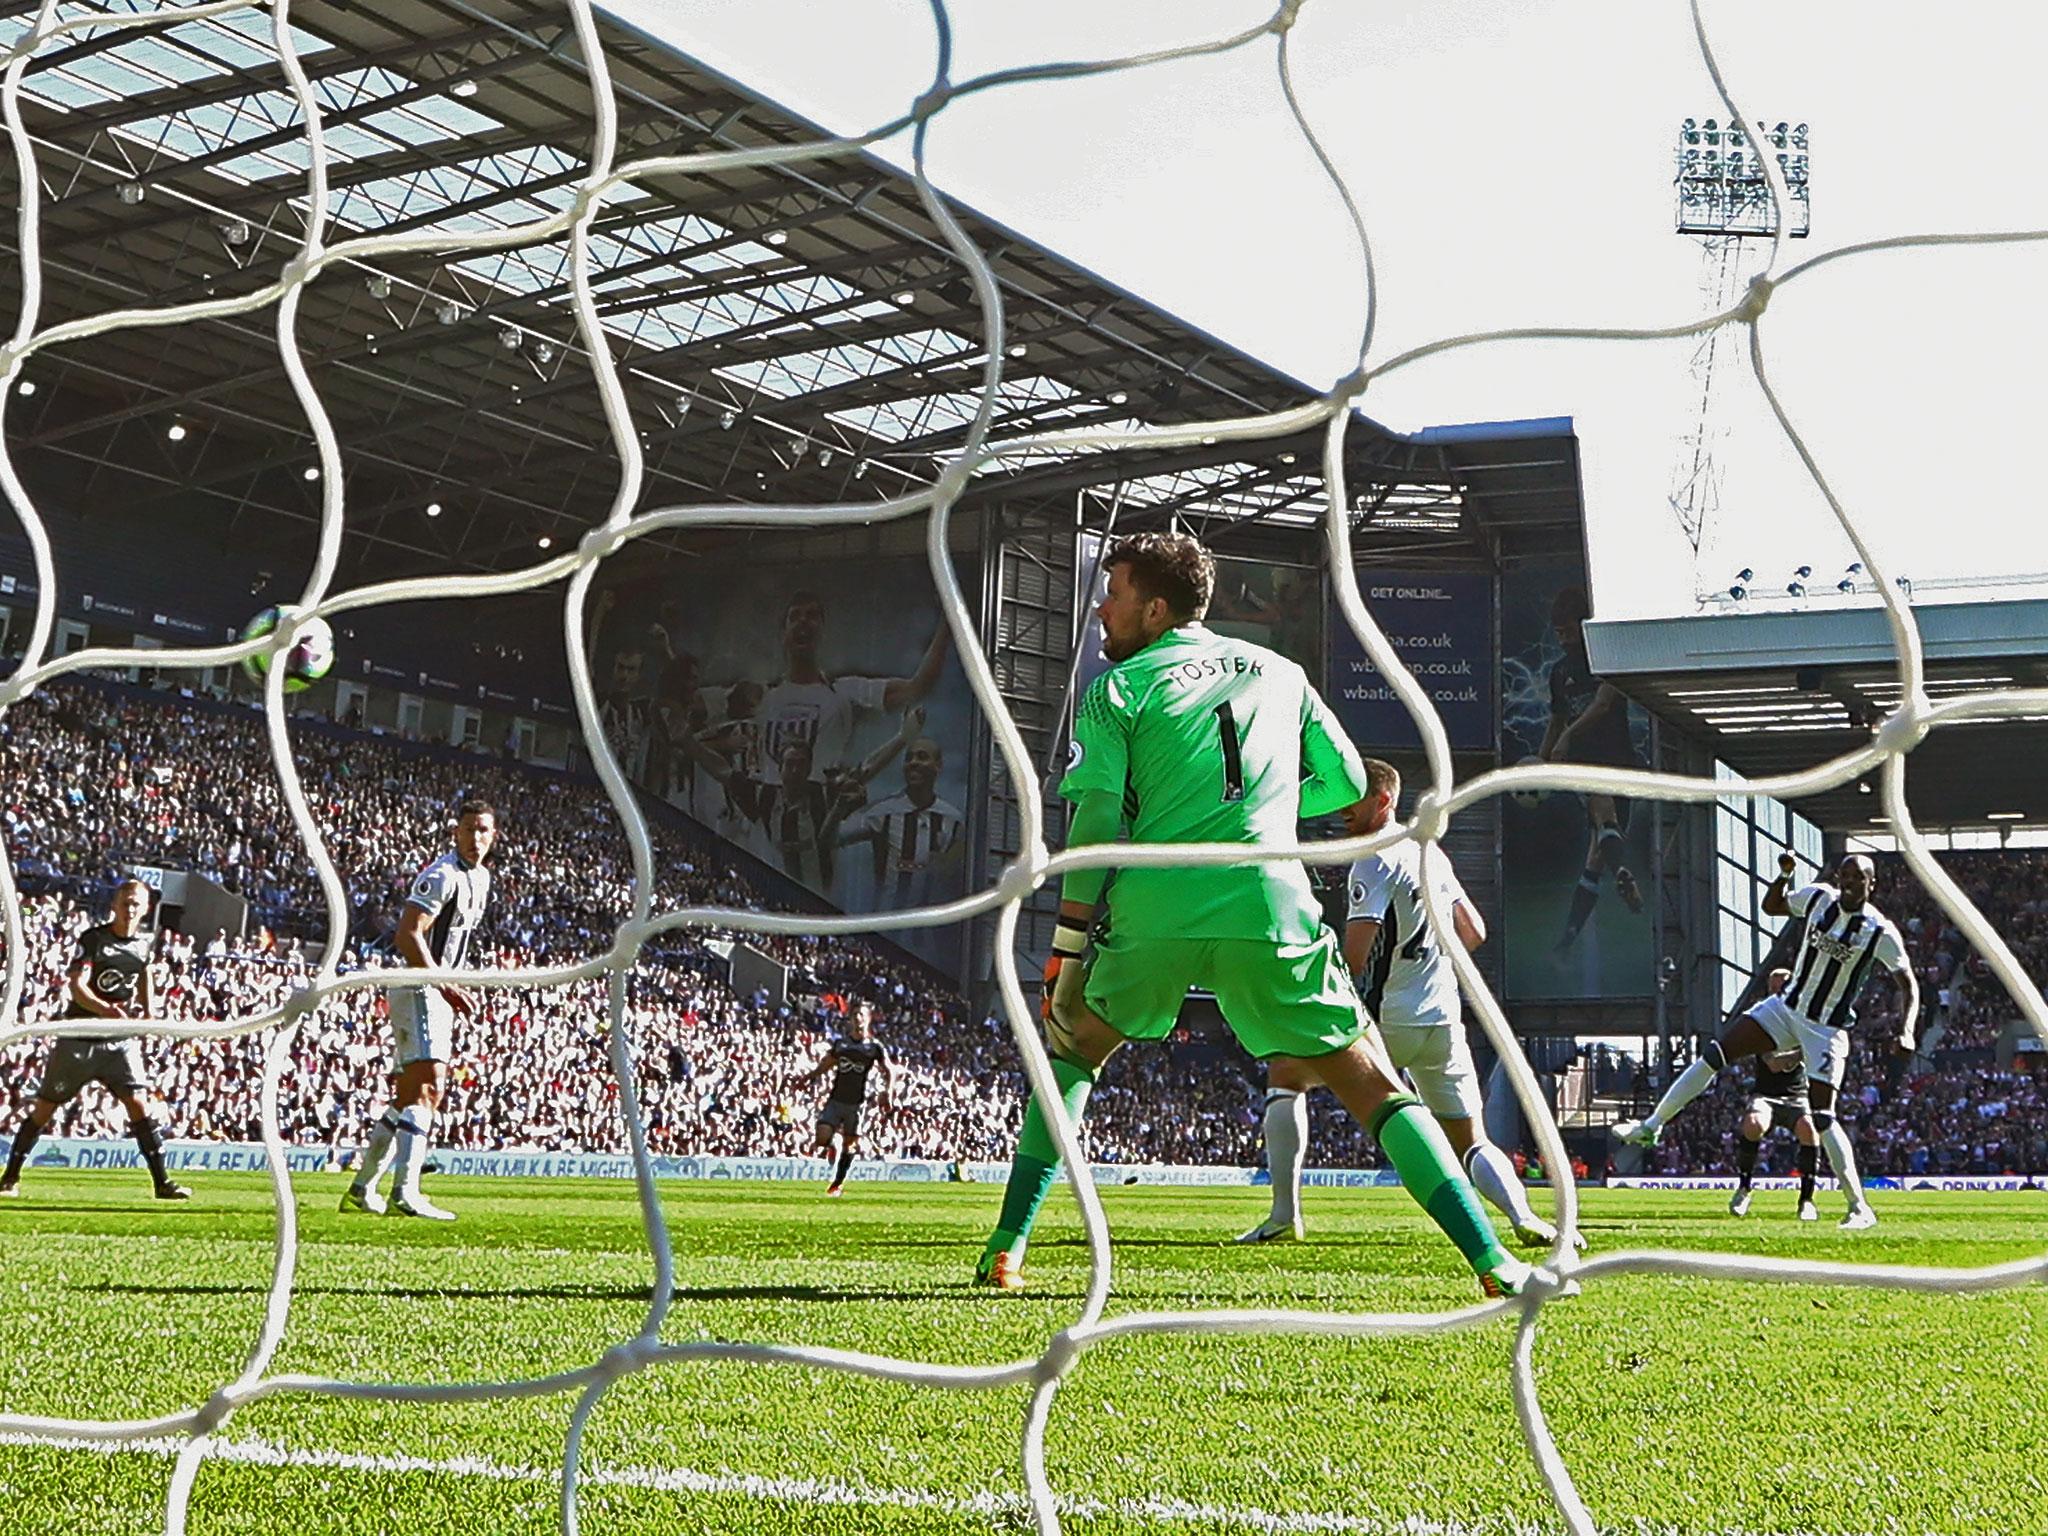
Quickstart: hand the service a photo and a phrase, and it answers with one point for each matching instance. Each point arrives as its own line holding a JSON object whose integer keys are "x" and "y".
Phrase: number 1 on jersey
{"x": 1233, "y": 757}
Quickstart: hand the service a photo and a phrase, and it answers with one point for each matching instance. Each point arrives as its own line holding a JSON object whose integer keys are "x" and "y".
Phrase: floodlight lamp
{"x": 310, "y": 473}
{"x": 543, "y": 352}
{"x": 860, "y": 470}
{"x": 1863, "y": 787}
{"x": 903, "y": 296}
{"x": 544, "y": 541}
{"x": 1018, "y": 349}
{"x": 26, "y": 387}
{"x": 778, "y": 237}
{"x": 1846, "y": 585}
{"x": 235, "y": 231}
{"x": 508, "y": 338}
{"x": 463, "y": 88}
{"x": 1738, "y": 591}
{"x": 131, "y": 192}
{"x": 448, "y": 312}
{"x": 1795, "y": 589}
{"x": 726, "y": 419}
{"x": 176, "y": 432}
{"x": 682, "y": 406}
{"x": 1119, "y": 397}
{"x": 1802, "y": 571}
{"x": 824, "y": 458}
{"x": 433, "y": 509}
{"x": 1745, "y": 575}
{"x": 1855, "y": 568}
{"x": 378, "y": 284}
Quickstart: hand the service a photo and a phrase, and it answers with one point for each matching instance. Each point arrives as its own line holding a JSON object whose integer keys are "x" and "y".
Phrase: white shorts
{"x": 1438, "y": 1061}
{"x": 1825, "y": 1051}
{"x": 422, "y": 1025}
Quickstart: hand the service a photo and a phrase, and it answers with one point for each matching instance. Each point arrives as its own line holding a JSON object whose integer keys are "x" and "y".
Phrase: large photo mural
{"x": 814, "y": 716}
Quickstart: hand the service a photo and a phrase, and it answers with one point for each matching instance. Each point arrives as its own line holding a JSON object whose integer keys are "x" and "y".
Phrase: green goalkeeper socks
{"x": 1415, "y": 1144}
{"x": 1037, "y": 1162}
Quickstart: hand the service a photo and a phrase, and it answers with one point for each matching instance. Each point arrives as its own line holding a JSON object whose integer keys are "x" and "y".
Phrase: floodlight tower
{"x": 1723, "y": 201}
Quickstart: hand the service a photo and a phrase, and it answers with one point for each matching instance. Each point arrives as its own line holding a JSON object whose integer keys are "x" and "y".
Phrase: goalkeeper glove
{"x": 1064, "y": 973}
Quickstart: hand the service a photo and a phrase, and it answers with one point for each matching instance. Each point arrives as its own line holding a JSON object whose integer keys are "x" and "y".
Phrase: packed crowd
{"x": 1952, "y": 1109}
{"x": 95, "y": 780}
{"x": 100, "y": 780}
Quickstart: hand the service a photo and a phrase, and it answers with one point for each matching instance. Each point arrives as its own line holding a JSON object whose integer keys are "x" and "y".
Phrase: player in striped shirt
{"x": 915, "y": 835}
{"x": 1846, "y": 939}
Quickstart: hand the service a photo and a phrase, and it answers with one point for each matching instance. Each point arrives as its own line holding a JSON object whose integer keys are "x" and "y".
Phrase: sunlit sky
{"x": 1514, "y": 163}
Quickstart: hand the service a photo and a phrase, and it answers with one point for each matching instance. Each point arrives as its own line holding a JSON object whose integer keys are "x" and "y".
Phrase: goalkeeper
{"x": 1190, "y": 737}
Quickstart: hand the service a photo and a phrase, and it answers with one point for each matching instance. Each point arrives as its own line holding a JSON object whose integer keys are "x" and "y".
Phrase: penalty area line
{"x": 814, "y": 1491}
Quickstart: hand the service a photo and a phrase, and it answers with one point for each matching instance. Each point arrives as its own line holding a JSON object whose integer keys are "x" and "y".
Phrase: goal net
{"x": 321, "y": 247}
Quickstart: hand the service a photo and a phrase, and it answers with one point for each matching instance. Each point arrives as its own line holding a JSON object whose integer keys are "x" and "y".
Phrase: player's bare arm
{"x": 1469, "y": 926}
{"x": 899, "y": 693}
{"x": 1908, "y": 986}
{"x": 1360, "y": 934}
{"x": 822, "y": 1069}
{"x": 1774, "y": 903}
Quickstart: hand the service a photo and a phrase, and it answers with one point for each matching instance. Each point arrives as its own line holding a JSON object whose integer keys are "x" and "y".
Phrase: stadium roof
{"x": 799, "y": 333}
{"x": 1771, "y": 692}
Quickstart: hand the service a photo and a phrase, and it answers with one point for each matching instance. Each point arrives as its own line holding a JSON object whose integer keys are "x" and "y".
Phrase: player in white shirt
{"x": 442, "y": 915}
{"x": 914, "y": 835}
{"x": 1846, "y": 938}
{"x": 807, "y": 704}
{"x": 1411, "y": 989}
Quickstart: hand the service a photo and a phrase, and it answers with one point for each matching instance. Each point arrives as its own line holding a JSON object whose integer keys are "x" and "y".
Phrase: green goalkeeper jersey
{"x": 1212, "y": 740}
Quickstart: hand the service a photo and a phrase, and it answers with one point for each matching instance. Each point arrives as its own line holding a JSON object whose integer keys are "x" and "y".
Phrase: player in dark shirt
{"x": 110, "y": 979}
{"x": 1780, "y": 1103}
{"x": 850, "y": 1061}
{"x": 1589, "y": 724}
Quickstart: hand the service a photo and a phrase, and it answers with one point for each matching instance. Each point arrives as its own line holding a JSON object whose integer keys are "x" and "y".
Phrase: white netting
{"x": 1915, "y": 716}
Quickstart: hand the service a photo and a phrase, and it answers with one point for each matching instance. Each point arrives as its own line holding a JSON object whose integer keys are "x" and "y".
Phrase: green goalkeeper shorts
{"x": 1279, "y": 999}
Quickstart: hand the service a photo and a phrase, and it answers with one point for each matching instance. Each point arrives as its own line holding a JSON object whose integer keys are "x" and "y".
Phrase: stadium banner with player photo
{"x": 811, "y": 713}
{"x": 1575, "y": 868}
{"x": 1441, "y": 624}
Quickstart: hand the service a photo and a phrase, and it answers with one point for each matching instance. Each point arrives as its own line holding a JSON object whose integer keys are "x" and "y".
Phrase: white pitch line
{"x": 792, "y": 1490}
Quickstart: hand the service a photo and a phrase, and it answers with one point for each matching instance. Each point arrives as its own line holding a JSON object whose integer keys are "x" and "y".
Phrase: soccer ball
{"x": 1528, "y": 799}
{"x": 308, "y": 660}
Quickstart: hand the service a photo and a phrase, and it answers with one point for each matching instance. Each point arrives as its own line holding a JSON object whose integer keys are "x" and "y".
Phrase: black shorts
{"x": 844, "y": 1118}
{"x": 115, "y": 1065}
{"x": 1783, "y": 1114}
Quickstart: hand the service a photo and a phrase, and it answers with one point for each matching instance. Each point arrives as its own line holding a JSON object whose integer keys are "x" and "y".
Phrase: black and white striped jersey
{"x": 909, "y": 839}
{"x": 453, "y": 894}
{"x": 1837, "y": 954}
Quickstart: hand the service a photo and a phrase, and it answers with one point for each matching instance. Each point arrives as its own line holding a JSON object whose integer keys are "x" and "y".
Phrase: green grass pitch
{"x": 1681, "y": 1405}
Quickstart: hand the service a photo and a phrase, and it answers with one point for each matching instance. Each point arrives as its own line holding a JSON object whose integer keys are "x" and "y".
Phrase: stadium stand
{"x": 105, "y": 777}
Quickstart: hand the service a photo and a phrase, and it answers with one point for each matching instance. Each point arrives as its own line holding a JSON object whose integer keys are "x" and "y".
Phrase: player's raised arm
{"x": 899, "y": 693}
{"x": 1776, "y": 902}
